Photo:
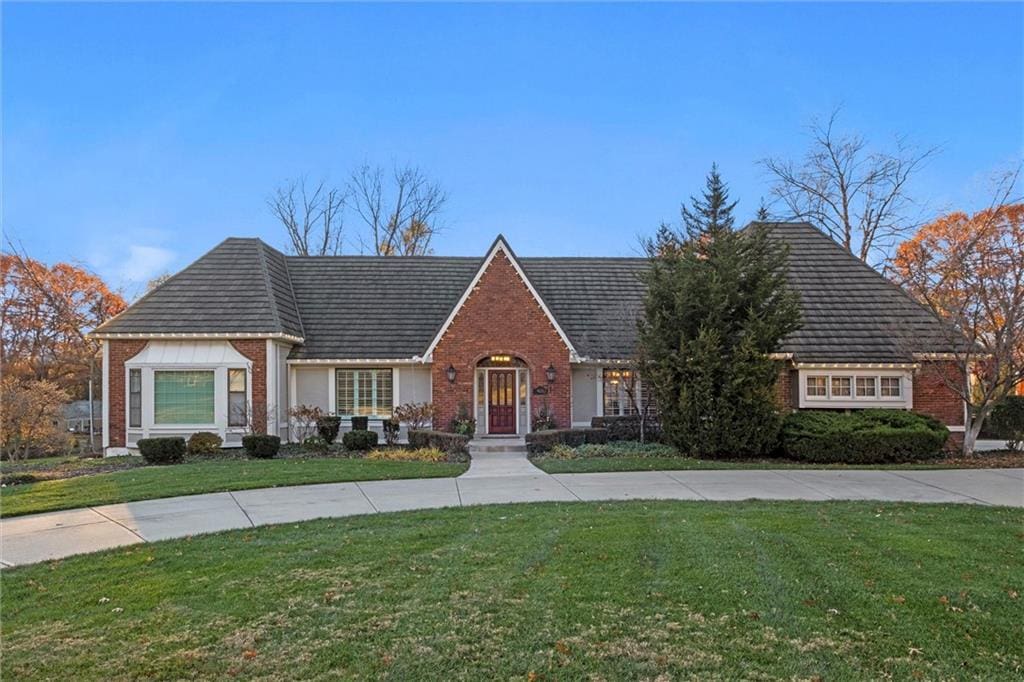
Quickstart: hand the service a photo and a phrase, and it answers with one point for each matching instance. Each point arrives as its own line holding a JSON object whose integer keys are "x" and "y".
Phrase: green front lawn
{"x": 636, "y": 590}
{"x": 629, "y": 456}
{"x": 214, "y": 475}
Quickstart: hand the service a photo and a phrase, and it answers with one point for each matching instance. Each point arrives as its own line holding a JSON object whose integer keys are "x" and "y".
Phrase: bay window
{"x": 364, "y": 393}
{"x": 183, "y": 397}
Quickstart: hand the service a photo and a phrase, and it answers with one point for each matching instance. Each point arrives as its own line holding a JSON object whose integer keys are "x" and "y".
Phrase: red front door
{"x": 501, "y": 403}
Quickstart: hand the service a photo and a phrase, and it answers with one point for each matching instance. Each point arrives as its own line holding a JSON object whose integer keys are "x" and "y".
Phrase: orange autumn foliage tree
{"x": 969, "y": 270}
{"x": 45, "y": 315}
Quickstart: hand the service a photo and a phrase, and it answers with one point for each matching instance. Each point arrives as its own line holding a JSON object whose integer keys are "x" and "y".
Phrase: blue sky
{"x": 138, "y": 136}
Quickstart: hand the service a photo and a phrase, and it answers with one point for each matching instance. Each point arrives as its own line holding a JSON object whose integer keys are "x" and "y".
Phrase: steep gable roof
{"x": 241, "y": 286}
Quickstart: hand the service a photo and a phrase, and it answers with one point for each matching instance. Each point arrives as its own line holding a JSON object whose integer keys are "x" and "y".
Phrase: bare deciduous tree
{"x": 311, "y": 215}
{"x": 858, "y": 196}
{"x": 401, "y": 210}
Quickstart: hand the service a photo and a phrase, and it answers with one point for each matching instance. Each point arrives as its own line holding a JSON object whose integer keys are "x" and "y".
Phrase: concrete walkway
{"x": 493, "y": 478}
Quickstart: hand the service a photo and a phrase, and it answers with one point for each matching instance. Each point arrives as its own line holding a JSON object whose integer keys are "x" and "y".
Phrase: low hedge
{"x": 627, "y": 427}
{"x": 862, "y": 437}
{"x": 204, "y": 443}
{"x": 359, "y": 440}
{"x": 452, "y": 443}
{"x": 1007, "y": 421}
{"x": 261, "y": 446}
{"x": 542, "y": 441}
{"x": 162, "y": 450}
{"x": 327, "y": 427}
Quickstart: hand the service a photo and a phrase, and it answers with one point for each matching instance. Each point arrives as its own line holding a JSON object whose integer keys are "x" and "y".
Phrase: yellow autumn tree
{"x": 969, "y": 270}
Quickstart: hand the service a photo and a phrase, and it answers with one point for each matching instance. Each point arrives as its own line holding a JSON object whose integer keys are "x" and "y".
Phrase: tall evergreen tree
{"x": 716, "y": 308}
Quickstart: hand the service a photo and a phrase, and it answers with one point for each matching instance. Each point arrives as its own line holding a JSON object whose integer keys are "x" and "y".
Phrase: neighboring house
{"x": 75, "y": 417}
{"x": 245, "y": 333}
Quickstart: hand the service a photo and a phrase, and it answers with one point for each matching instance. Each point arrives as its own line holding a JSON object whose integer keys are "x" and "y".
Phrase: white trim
{"x": 856, "y": 365}
{"x": 935, "y": 356}
{"x": 905, "y": 401}
{"x": 106, "y": 397}
{"x": 600, "y": 392}
{"x": 292, "y": 391}
{"x": 197, "y": 335}
{"x": 332, "y": 390}
{"x": 396, "y": 383}
{"x": 501, "y": 245}
{"x": 957, "y": 429}
{"x": 356, "y": 361}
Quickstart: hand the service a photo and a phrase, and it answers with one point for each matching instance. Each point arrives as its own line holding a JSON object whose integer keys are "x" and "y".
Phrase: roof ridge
{"x": 291, "y": 290}
{"x": 266, "y": 282}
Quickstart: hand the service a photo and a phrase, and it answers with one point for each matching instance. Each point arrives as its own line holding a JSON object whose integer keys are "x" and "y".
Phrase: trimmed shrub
{"x": 316, "y": 444}
{"x": 542, "y": 441}
{"x": 405, "y": 455}
{"x": 162, "y": 450}
{"x": 204, "y": 443}
{"x": 391, "y": 428}
{"x": 261, "y": 445}
{"x": 327, "y": 427}
{"x": 871, "y": 436}
{"x": 359, "y": 440}
{"x": 453, "y": 443}
{"x": 627, "y": 427}
{"x": 360, "y": 423}
{"x": 1007, "y": 421}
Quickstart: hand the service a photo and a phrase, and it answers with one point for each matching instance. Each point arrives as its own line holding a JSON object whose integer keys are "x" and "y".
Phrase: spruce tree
{"x": 716, "y": 307}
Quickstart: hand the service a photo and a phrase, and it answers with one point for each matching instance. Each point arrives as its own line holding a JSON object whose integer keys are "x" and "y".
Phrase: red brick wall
{"x": 500, "y": 317}
{"x": 784, "y": 388}
{"x": 256, "y": 350}
{"x": 933, "y": 397}
{"x": 120, "y": 352}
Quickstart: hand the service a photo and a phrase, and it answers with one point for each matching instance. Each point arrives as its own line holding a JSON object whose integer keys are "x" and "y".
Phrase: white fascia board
{"x": 856, "y": 365}
{"x": 501, "y": 245}
{"x": 198, "y": 335}
{"x": 357, "y": 360}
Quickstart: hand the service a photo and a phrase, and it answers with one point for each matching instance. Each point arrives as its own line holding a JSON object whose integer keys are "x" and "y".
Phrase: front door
{"x": 501, "y": 403}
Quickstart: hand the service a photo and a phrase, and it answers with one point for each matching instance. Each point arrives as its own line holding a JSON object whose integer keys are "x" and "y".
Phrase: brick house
{"x": 246, "y": 333}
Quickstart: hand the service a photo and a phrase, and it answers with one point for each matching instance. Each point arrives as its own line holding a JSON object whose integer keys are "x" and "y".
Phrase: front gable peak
{"x": 501, "y": 247}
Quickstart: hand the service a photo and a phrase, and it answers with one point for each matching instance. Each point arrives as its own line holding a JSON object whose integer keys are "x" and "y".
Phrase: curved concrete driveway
{"x": 492, "y": 479}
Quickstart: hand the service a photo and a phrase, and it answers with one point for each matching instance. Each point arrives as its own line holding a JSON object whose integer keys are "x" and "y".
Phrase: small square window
{"x": 841, "y": 387}
{"x": 891, "y": 387}
{"x": 816, "y": 387}
{"x": 866, "y": 387}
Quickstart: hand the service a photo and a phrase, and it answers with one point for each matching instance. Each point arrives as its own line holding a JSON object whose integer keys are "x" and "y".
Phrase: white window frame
{"x": 355, "y": 391}
{"x": 902, "y": 402}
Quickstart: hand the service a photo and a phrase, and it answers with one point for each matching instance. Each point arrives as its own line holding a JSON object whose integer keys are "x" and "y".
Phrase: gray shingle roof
{"x": 363, "y": 307}
{"x": 851, "y": 313}
{"x": 239, "y": 286}
{"x": 371, "y": 307}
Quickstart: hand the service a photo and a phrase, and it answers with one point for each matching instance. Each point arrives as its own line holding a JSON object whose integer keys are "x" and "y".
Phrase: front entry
{"x": 501, "y": 401}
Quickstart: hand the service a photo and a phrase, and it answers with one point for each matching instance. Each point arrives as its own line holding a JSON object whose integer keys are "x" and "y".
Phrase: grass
{"x": 67, "y": 464}
{"x": 215, "y": 475}
{"x": 628, "y": 456}
{"x": 635, "y": 590}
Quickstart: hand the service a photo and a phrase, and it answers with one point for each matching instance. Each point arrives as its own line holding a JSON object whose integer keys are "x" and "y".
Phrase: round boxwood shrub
{"x": 261, "y": 445}
{"x": 327, "y": 427}
{"x": 359, "y": 440}
{"x": 162, "y": 450}
{"x": 204, "y": 443}
{"x": 1007, "y": 421}
{"x": 870, "y": 436}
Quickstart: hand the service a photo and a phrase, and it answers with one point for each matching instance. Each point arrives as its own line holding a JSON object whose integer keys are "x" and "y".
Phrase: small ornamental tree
{"x": 969, "y": 271}
{"x": 717, "y": 306}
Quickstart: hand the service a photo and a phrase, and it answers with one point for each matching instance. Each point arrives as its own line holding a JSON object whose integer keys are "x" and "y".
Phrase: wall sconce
{"x": 550, "y": 371}
{"x": 451, "y": 374}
